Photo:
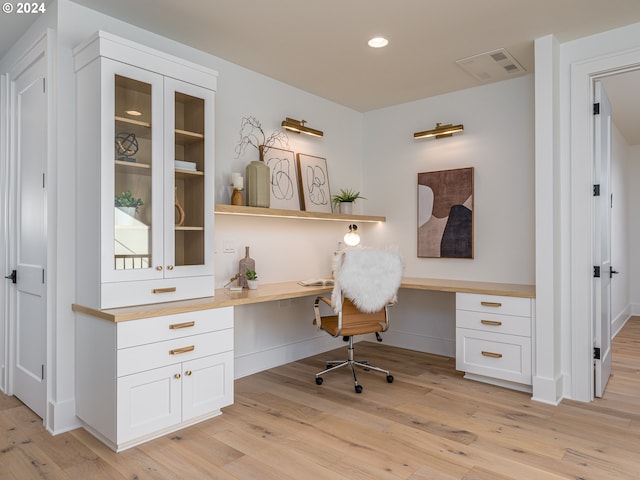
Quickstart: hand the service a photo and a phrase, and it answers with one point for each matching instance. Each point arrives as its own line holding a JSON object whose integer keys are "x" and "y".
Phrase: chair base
{"x": 336, "y": 364}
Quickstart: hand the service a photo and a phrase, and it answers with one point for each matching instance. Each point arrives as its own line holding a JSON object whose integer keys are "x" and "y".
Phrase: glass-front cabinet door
{"x": 188, "y": 150}
{"x": 136, "y": 170}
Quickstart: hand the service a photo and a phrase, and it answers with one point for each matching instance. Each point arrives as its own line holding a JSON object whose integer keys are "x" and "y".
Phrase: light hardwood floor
{"x": 429, "y": 424}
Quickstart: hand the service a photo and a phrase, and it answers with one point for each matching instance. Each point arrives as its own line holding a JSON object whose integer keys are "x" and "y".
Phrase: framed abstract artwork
{"x": 445, "y": 214}
{"x": 314, "y": 183}
{"x": 283, "y": 178}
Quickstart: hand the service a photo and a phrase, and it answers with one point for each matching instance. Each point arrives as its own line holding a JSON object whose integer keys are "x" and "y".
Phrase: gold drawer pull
{"x": 176, "y": 326}
{"x": 178, "y": 351}
{"x": 188, "y": 373}
{"x": 491, "y": 354}
{"x": 164, "y": 290}
{"x": 491, "y": 322}
{"x": 491, "y": 304}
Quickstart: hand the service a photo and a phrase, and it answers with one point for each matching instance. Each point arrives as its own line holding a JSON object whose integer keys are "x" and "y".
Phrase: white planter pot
{"x": 253, "y": 284}
{"x": 346, "y": 208}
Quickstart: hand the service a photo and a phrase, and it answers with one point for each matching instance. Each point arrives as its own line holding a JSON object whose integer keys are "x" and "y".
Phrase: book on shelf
{"x": 317, "y": 282}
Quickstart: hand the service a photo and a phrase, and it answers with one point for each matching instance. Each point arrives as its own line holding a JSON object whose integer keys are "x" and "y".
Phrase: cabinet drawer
{"x": 494, "y": 355}
{"x": 494, "y": 304}
{"x": 488, "y": 322}
{"x": 157, "y": 329}
{"x": 154, "y": 355}
{"x": 141, "y": 292}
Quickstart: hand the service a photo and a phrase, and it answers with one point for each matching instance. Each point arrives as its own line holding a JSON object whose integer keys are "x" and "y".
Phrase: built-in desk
{"x": 148, "y": 370}
{"x": 269, "y": 292}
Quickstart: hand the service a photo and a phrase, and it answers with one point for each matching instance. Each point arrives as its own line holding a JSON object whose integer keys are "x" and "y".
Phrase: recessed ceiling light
{"x": 378, "y": 42}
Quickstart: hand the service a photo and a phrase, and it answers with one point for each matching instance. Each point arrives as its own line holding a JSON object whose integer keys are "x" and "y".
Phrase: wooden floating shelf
{"x": 222, "y": 209}
{"x": 131, "y": 121}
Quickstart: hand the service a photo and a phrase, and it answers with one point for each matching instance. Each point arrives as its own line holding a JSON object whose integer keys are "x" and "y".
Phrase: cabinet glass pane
{"x": 189, "y": 180}
{"x": 133, "y": 166}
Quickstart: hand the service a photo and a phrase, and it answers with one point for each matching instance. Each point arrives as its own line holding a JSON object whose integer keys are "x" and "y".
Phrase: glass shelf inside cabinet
{"x": 189, "y": 173}
{"x": 133, "y": 165}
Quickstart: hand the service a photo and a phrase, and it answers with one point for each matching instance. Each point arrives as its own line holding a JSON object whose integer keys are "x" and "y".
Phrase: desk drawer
{"x": 158, "y": 329}
{"x": 517, "y": 306}
{"x": 488, "y": 322}
{"x": 159, "y": 354}
{"x": 507, "y": 357}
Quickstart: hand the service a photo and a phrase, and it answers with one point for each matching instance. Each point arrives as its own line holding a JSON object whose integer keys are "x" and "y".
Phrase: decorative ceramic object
{"x": 236, "y": 197}
{"x": 247, "y": 263}
{"x": 258, "y": 182}
{"x": 179, "y": 210}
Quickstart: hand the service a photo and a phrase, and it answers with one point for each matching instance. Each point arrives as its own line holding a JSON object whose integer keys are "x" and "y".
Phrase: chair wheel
{"x": 318, "y": 380}
{"x": 358, "y": 388}
{"x": 389, "y": 378}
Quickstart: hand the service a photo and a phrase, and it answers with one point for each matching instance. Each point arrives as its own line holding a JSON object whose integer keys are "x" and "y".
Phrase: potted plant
{"x": 344, "y": 200}
{"x": 126, "y": 202}
{"x": 252, "y": 279}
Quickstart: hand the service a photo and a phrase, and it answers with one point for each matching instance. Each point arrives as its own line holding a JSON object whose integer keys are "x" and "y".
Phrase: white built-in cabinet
{"x": 140, "y": 379}
{"x": 145, "y": 139}
{"x": 145, "y": 133}
{"x": 494, "y": 339}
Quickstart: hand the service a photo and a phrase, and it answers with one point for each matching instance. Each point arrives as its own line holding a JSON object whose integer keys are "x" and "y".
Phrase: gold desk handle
{"x": 491, "y": 322}
{"x": 177, "y": 376}
{"x": 492, "y": 355}
{"x": 491, "y": 304}
{"x": 164, "y": 290}
{"x": 176, "y": 326}
{"x": 178, "y": 351}
{"x": 188, "y": 373}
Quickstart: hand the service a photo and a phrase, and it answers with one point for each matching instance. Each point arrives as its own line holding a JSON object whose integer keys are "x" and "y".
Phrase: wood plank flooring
{"x": 429, "y": 424}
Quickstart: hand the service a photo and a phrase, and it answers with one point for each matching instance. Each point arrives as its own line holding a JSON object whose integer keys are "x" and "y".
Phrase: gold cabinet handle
{"x": 491, "y": 304}
{"x": 491, "y": 322}
{"x": 176, "y": 326}
{"x": 491, "y": 354}
{"x": 178, "y": 351}
{"x": 188, "y": 373}
{"x": 177, "y": 375}
{"x": 170, "y": 267}
{"x": 159, "y": 268}
{"x": 164, "y": 290}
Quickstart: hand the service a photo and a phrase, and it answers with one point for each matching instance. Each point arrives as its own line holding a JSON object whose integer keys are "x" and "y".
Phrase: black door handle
{"x": 612, "y": 271}
{"x": 13, "y": 277}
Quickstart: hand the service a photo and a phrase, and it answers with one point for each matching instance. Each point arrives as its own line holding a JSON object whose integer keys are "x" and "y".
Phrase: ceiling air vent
{"x": 491, "y": 66}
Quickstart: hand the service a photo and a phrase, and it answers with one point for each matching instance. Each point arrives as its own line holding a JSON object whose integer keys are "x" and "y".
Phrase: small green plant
{"x": 126, "y": 199}
{"x": 251, "y": 274}
{"x": 347, "y": 195}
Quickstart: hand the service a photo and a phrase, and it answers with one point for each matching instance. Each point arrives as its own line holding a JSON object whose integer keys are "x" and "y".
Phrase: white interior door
{"x": 28, "y": 237}
{"x": 602, "y": 242}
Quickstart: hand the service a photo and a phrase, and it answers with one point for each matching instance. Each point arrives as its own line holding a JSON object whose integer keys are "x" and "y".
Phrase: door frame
{"x": 583, "y": 77}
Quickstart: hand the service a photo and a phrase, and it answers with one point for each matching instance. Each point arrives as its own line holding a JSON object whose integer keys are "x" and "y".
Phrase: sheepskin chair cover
{"x": 369, "y": 277}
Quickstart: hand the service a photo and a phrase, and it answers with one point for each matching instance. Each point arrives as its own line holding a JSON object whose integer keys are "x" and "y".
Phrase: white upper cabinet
{"x": 144, "y": 173}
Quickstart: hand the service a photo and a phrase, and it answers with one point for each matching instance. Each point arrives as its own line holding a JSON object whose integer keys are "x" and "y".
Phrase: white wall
{"x": 497, "y": 141}
{"x": 633, "y": 180}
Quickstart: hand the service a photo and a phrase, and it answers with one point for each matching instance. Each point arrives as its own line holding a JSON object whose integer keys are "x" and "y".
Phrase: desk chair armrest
{"x": 316, "y": 309}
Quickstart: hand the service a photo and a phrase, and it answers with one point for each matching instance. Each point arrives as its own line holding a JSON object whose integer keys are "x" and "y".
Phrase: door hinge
{"x": 596, "y": 190}
{"x": 596, "y": 272}
{"x": 596, "y": 109}
{"x": 596, "y": 353}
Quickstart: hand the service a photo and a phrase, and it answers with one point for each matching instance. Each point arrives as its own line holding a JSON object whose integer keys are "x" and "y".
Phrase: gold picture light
{"x": 440, "y": 131}
{"x": 298, "y": 126}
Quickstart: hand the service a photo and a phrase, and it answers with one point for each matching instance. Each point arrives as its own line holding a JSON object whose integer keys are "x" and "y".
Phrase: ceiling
{"x": 321, "y": 47}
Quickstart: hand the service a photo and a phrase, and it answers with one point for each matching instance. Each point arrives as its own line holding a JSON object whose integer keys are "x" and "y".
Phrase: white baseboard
{"x": 274, "y": 357}
{"x": 61, "y": 417}
{"x": 420, "y": 343}
{"x": 634, "y": 309}
{"x": 620, "y": 321}
{"x": 547, "y": 390}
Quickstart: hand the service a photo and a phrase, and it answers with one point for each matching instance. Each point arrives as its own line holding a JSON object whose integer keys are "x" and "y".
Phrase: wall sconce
{"x": 298, "y": 126}
{"x": 352, "y": 238}
{"x": 441, "y": 131}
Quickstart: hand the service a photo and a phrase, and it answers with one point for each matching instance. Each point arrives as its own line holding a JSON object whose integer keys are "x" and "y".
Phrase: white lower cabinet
{"x": 494, "y": 340}
{"x": 133, "y": 387}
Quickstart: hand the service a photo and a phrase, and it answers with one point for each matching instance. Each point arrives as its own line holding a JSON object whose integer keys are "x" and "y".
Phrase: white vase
{"x": 346, "y": 208}
{"x": 131, "y": 211}
{"x": 253, "y": 284}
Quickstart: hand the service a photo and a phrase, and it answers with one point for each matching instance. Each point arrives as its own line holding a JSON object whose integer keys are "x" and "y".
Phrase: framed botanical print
{"x": 445, "y": 213}
{"x": 283, "y": 178}
{"x": 314, "y": 183}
